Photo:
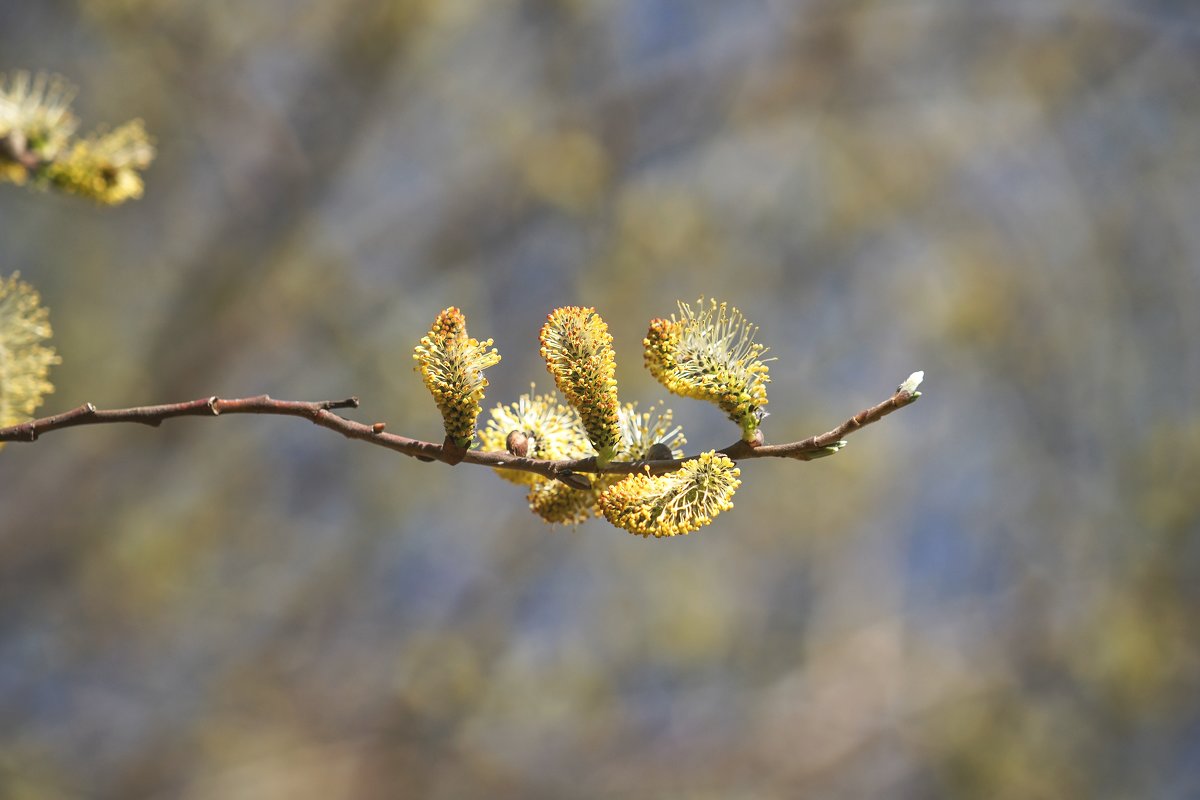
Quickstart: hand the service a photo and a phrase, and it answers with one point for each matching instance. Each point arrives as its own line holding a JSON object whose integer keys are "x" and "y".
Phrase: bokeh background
{"x": 992, "y": 594}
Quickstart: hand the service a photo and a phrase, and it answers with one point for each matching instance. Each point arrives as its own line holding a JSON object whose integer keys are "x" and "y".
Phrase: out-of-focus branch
{"x": 322, "y": 413}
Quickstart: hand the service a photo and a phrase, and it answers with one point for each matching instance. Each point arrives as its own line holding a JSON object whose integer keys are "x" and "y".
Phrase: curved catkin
{"x": 710, "y": 354}
{"x": 676, "y": 503}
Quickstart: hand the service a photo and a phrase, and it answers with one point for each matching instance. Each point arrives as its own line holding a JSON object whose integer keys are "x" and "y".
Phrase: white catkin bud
{"x": 910, "y": 385}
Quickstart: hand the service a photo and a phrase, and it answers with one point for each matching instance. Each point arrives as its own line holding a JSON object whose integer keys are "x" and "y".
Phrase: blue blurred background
{"x": 991, "y": 594}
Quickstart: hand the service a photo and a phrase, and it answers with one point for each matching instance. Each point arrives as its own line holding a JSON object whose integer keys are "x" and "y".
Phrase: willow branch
{"x": 322, "y": 413}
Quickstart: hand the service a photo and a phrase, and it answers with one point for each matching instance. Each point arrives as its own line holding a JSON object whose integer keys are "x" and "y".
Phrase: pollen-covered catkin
{"x": 451, "y": 366}
{"x": 555, "y": 430}
{"x": 25, "y": 356}
{"x": 710, "y": 354}
{"x": 577, "y": 348}
{"x": 676, "y": 503}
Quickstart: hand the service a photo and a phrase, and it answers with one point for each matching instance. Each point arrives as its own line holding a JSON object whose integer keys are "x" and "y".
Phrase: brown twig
{"x": 321, "y": 413}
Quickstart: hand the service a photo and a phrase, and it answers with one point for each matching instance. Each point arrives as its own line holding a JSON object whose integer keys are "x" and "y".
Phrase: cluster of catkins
{"x": 708, "y": 353}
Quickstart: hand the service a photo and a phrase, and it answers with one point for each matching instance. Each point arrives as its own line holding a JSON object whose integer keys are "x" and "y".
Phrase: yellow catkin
{"x": 710, "y": 354}
{"x": 578, "y": 351}
{"x": 451, "y": 365}
{"x": 641, "y": 431}
{"x": 105, "y": 167}
{"x": 673, "y": 504}
{"x": 559, "y": 504}
{"x": 556, "y": 430}
{"x": 38, "y": 144}
{"x": 25, "y": 356}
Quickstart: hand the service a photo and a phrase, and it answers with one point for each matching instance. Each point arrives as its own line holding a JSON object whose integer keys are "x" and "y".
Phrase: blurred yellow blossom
{"x": 25, "y": 358}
